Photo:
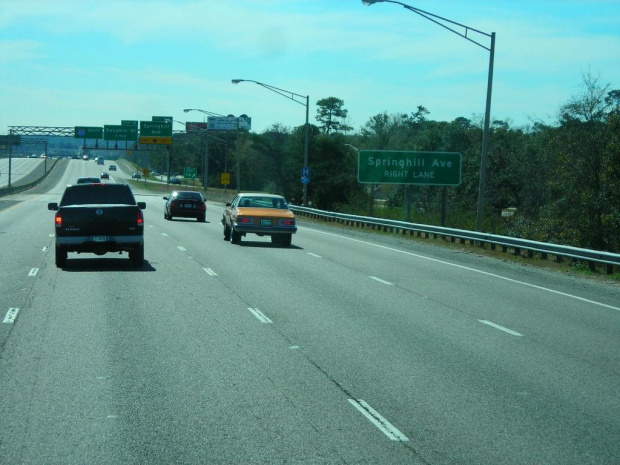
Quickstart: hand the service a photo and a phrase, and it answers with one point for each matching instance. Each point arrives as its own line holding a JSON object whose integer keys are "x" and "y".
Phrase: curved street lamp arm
{"x": 285, "y": 93}
{"x": 430, "y": 16}
{"x": 210, "y": 113}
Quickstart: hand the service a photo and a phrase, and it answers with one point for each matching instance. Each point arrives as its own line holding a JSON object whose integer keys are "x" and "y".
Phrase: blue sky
{"x": 90, "y": 63}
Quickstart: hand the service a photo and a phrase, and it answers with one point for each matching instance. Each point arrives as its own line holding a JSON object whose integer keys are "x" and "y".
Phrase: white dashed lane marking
{"x": 384, "y": 426}
{"x": 10, "y": 315}
{"x": 501, "y": 328}
{"x": 260, "y": 315}
{"x": 381, "y": 280}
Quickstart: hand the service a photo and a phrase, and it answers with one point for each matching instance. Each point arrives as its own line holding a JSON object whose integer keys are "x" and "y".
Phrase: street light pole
{"x": 294, "y": 97}
{"x": 210, "y": 113}
{"x": 487, "y": 113}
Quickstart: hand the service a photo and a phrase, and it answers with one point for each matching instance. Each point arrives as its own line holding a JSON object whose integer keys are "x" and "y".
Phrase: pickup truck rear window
{"x": 89, "y": 194}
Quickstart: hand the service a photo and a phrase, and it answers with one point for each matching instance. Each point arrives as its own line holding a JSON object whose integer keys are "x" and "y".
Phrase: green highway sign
{"x": 88, "y": 132}
{"x": 11, "y": 139}
{"x": 167, "y": 119}
{"x": 155, "y": 129}
{"x": 120, "y": 132}
{"x": 396, "y": 167}
{"x": 127, "y": 122}
{"x": 190, "y": 173}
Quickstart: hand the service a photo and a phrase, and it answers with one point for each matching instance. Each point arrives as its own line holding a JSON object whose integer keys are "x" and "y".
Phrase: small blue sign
{"x": 305, "y": 171}
{"x": 305, "y": 179}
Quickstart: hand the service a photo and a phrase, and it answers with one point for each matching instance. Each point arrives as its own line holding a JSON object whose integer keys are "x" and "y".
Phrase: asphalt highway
{"x": 20, "y": 169}
{"x": 346, "y": 348}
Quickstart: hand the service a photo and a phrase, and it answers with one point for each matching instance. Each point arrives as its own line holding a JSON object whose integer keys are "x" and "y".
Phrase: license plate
{"x": 189, "y": 205}
{"x": 265, "y": 222}
{"x": 99, "y": 238}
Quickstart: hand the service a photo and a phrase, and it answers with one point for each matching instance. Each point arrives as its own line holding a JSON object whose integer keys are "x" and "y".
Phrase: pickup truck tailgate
{"x": 99, "y": 220}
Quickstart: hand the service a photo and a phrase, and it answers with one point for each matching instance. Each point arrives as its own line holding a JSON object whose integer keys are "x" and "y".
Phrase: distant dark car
{"x": 105, "y": 176}
{"x": 186, "y": 204}
{"x": 88, "y": 180}
{"x": 112, "y": 168}
{"x": 136, "y": 175}
{"x": 175, "y": 181}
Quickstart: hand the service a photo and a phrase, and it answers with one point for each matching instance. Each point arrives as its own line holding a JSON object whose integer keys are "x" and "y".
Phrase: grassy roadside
{"x": 573, "y": 268}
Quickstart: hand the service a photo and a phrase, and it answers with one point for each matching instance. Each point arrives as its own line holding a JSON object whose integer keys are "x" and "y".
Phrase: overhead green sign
{"x": 167, "y": 119}
{"x": 127, "y": 122}
{"x": 11, "y": 139}
{"x": 120, "y": 132}
{"x": 88, "y": 132}
{"x": 395, "y": 167}
{"x": 190, "y": 173}
{"x": 155, "y": 129}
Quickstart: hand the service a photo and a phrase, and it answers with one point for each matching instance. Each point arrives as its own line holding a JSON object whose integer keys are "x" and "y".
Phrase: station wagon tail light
{"x": 245, "y": 220}
{"x": 58, "y": 220}
{"x": 140, "y": 218}
{"x": 287, "y": 222}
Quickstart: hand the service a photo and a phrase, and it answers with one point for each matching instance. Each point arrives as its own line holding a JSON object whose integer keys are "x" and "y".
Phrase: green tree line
{"x": 563, "y": 179}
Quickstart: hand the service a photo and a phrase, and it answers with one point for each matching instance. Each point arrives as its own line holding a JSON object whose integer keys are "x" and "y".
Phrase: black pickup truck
{"x": 99, "y": 218}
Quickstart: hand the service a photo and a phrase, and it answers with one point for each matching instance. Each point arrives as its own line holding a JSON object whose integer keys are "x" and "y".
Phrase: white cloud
{"x": 20, "y": 50}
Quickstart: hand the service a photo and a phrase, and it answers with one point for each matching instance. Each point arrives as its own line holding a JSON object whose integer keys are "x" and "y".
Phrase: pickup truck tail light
{"x": 140, "y": 218}
{"x": 58, "y": 220}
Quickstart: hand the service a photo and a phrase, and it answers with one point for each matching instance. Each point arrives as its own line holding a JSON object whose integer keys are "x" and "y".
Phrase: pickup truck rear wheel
{"x": 61, "y": 256}
{"x": 137, "y": 256}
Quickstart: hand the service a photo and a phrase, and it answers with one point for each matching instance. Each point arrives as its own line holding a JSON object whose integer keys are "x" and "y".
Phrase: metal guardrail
{"x": 592, "y": 257}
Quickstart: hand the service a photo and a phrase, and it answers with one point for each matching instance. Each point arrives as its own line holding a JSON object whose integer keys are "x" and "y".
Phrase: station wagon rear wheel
{"x": 285, "y": 240}
{"x": 235, "y": 237}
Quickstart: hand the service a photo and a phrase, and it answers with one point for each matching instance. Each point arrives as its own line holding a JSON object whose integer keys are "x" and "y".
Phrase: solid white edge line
{"x": 501, "y": 328}
{"x": 260, "y": 315}
{"x": 381, "y": 280}
{"x": 210, "y": 272}
{"x": 384, "y": 426}
{"x": 10, "y": 315}
{"x": 564, "y": 294}
{"x": 181, "y": 248}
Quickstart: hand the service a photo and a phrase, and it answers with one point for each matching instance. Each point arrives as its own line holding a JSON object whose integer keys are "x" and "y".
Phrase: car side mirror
{"x": 52, "y": 206}
{"x": 165, "y": 198}
{"x": 142, "y": 205}
{"x": 228, "y": 204}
